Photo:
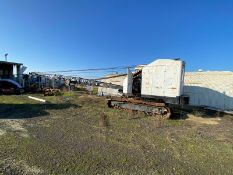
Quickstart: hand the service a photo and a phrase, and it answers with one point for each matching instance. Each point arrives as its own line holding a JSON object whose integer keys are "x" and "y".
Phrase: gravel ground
{"x": 64, "y": 137}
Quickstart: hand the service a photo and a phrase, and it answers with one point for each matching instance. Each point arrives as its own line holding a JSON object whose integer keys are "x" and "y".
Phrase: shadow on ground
{"x": 199, "y": 112}
{"x": 23, "y": 111}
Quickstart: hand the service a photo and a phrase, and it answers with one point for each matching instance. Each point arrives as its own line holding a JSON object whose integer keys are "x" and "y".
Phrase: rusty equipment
{"x": 138, "y": 104}
{"x": 155, "y": 89}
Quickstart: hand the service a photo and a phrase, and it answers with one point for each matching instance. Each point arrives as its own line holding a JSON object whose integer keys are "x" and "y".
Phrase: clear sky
{"x": 72, "y": 34}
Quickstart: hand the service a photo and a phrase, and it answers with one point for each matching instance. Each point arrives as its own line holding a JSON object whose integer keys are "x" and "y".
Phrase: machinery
{"x": 8, "y": 86}
{"x": 153, "y": 89}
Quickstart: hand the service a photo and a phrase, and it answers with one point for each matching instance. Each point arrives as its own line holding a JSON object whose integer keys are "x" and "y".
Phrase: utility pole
{"x": 6, "y": 56}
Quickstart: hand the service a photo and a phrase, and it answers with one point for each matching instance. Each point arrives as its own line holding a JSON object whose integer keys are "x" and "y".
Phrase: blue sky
{"x": 73, "y": 34}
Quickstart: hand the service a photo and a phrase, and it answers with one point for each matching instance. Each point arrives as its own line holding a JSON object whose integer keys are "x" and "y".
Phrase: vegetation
{"x": 63, "y": 136}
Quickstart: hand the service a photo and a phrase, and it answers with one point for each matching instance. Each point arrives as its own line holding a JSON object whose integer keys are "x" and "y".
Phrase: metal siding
{"x": 212, "y": 89}
{"x": 118, "y": 80}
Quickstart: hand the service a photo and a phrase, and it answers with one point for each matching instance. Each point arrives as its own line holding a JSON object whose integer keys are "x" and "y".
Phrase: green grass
{"x": 95, "y": 90}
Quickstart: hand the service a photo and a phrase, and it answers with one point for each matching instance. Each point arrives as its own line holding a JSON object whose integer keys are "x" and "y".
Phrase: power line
{"x": 91, "y": 69}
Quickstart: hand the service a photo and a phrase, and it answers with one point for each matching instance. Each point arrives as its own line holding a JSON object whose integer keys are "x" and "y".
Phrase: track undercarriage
{"x": 149, "y": 107}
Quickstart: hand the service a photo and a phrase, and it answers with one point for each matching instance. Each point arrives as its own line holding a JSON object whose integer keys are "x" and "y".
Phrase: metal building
{"x": 212, "y": 89}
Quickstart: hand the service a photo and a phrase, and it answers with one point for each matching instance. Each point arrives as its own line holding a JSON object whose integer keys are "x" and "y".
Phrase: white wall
{"x": 212, "y": 89}
{"x": 116, "y": 80}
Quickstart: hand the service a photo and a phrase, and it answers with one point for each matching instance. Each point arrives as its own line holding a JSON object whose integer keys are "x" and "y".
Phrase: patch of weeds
{"x": 95, "y": 90}
{"x": 174, "y": 123}
{"x": 69, "y": 94}
{"x": 51, "y": 98}
{"x": 206, "y": 155}
{"x": 228, "y": 117}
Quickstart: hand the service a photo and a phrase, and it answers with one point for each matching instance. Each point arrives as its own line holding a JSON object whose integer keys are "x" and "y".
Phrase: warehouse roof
{"x": 111, "y": 76}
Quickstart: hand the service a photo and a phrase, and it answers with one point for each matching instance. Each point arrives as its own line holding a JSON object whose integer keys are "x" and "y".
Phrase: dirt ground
{"x": 63, "y": 137}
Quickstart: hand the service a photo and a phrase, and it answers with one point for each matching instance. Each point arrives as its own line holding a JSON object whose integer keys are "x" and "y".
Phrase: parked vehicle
{"x": 8, "y": 86}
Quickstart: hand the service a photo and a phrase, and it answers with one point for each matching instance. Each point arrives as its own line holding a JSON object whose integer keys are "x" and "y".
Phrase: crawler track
{"x": 149, "y": 107}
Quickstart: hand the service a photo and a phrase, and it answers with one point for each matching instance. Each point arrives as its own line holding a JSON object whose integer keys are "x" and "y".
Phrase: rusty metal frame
{"x": 138, "y": 101}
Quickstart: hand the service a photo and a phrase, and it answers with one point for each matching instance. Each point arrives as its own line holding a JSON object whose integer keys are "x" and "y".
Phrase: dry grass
{"x": 64, "y": 137}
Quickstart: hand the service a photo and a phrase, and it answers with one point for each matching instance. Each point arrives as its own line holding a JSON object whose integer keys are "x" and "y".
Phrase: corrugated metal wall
{"x": 212, "y": 89}
{"x": 117, "y": 80}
